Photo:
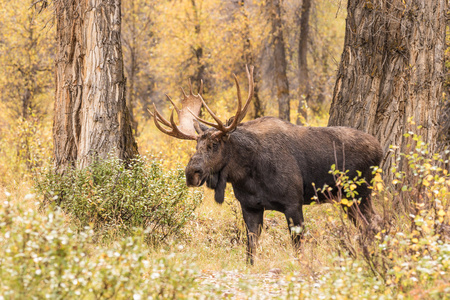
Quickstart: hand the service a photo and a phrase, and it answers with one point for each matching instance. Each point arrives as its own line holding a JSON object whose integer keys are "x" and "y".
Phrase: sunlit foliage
{"x": 26, "y": 88}
{"x": 51, "y": 252}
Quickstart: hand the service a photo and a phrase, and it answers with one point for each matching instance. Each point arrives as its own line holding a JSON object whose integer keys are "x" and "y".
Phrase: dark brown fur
{"x": 272, "y": 165}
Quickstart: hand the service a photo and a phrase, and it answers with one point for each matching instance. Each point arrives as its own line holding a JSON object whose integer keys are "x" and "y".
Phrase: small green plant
{"x": 114, "y": 198}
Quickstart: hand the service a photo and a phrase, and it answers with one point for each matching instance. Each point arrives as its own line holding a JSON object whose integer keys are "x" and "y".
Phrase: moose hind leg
{"x": 254, "y": 221}
{"x": 294, "y": 218}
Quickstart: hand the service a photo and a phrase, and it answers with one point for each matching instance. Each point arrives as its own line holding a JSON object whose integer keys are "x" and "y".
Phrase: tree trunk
{"x": 134, "y": 65}
{"x": 91, "y": 117}
{"x": 444, "y": 121}
{"x": 305, "y": 89}
{"x": 280, "y": 64}
{"x": 391, "y": 72}
{"x": 250, "y": 60}
{"x": 197, "y": 48}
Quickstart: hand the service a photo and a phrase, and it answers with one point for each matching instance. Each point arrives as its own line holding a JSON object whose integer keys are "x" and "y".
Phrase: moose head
{"x": 213, "y": 149}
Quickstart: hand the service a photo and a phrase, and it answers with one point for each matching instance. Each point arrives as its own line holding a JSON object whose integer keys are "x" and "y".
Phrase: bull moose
{"x": 270, "y": 163}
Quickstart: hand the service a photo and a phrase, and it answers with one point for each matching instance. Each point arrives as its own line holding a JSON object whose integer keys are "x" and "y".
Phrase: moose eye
{"x": 214, "y": 147}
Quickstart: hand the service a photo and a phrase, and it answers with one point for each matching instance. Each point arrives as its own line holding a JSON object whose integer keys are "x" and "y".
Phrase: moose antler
{"x": 190, "y": 107}
{"x": 240, "y": 113}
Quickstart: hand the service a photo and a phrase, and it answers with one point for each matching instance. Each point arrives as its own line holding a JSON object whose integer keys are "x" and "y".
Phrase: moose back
{"x": 270, "y": 163}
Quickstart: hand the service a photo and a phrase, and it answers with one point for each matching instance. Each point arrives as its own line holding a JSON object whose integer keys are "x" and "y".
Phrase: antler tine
{"x": 250, "y": 92}
{"x": 203, "y": 121}
{"x": 219, "y": 124}
{"x": 159, "y": 116}
{"x": 240, "y": 113}
{"x": 174, "y": 106}
{"x": 152, "y": 114}
{"x": 160, "y": 127}
{"x": 174, "y": 131}
{"x": 184, "y": 93}
{"x": 190, "y": 87}
{"x": 236, "y": 119}
{"x": 200, "y": 90}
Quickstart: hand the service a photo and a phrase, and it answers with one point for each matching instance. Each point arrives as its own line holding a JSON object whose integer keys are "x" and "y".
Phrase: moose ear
{"x": 199, "y": 127}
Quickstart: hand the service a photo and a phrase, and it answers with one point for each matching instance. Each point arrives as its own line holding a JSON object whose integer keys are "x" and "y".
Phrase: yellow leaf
{"x": 352, "y": 186}
{"x": 379, "y": 186}
{"x": 415, "y": 240}
{"x": 425, "y": 182}
{"x": 344, "y": 201}
{"x": 441, "y": 213}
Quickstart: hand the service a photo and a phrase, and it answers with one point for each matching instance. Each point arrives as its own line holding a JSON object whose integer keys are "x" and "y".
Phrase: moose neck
{"x": 243, "y": 148}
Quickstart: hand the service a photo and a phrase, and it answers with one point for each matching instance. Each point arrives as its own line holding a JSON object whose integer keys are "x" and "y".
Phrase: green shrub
{"x": 114, "y": 198}
{"x": 42, "y": 258}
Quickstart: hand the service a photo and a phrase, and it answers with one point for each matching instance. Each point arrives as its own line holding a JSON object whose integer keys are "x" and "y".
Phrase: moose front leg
{"x": 254, "y": 221}
{"x": 294, "y": 218}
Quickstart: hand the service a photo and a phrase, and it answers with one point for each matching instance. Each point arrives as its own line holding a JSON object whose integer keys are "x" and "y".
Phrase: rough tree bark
{"x": 303, "y": 76}
{"x": 280, "y": 64}
{"x": 391, "y": 71}
{"x": 444, "y": 121}
{"x": 91, "y": 117}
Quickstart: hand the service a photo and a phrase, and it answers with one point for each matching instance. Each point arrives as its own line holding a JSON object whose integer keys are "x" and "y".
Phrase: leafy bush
{"x": 42, "y": 258}
{"x": 410, "y": 255}
{"x": 114, "y": 198}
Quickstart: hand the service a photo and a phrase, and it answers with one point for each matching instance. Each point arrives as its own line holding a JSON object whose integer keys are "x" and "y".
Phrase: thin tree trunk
{"x": 305, "y": 86}
{"x": 134, "y": 67}
{"x": 198, "y": 49}
{"x": 131, "y": 95}
{"x": 280, "y": 64}
{"x": 391, "y": 72}
{"x": 250, "y": 60}
{"x": 91, "y": 117}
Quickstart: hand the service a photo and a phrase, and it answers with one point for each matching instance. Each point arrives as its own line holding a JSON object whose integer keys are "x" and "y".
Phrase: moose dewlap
{"x": 271, "y": 164}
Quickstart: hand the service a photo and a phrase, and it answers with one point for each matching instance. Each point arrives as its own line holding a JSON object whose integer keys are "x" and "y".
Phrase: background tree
{"x": 91, "y": 117}
{"x": 251, "y": 59}
{"x": 279, "y": 60}
{"x": 138, "y": 43}
{"x": 26, "y": 61}
{"x": 303, "y": 76}
{"x": 390, "y": 75}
